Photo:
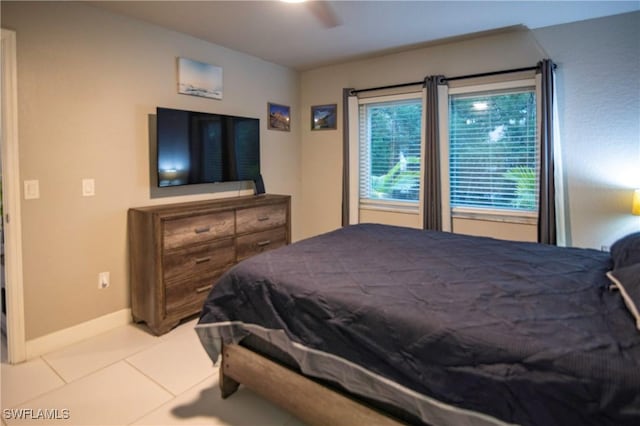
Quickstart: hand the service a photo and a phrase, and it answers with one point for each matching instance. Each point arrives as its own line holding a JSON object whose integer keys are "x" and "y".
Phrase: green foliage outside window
{"x": 394, "y": 148}
{"x": 526, "y": 189}
{"x": 493, "y": 150}
{"x": 401, "y": 179}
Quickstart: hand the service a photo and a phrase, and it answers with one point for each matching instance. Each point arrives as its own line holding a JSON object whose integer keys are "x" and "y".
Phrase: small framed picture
{"x": 279, "y": 117}
{"x": 323, "y": 117}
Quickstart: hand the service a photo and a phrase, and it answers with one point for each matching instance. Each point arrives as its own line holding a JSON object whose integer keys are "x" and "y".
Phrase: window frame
{"x": 486, "y": 213}
{"x": 395, "y": 206}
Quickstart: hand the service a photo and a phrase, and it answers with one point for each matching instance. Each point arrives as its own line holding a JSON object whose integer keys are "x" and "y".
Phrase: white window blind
{"x": 494, "y": 150}
{"x": 390, "y": 150}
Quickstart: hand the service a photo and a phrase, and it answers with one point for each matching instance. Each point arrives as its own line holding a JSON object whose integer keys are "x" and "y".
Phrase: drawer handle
{"x": 202, "y": 230}
{"x": 202, "y": 260}
{"x": 263, "y": 218}
{"x": 204, "y": 288}
{"x": 264, "y": 243}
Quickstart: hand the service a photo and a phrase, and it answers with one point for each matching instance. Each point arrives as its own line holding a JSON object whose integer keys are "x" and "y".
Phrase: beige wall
{"x": 87, "y": 83}
{"x": 495, "y": 229}
{"x": 410, "y": 220}
{"x": 599, "y": 106}
{"x": 322, "y": 151}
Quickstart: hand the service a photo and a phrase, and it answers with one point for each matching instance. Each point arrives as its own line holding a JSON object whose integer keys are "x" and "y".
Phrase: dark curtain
{"x": 345, "y": 155}
{"x": 432, "y": 199}
{"x": 547, "y": 207}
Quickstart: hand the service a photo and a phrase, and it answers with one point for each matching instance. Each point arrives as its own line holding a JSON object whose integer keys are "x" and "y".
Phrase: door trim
{"x": 12, "y": 219}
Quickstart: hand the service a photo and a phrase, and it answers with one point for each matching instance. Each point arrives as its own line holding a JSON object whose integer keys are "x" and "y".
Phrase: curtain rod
{"x": 393, "y": 86}
{"x": 487, "y": 74}
{"x": 461, "y": 77}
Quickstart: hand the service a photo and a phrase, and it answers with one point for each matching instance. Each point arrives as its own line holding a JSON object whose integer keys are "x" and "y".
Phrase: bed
{"x": 425, "y": 327}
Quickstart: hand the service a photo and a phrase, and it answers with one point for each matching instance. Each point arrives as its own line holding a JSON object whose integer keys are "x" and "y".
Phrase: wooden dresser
{"x": 178, "y": 251}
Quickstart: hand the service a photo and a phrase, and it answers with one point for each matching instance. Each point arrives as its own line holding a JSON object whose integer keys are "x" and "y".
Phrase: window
{"x": 493, "y": 150}
{"x": 390, "y": 150}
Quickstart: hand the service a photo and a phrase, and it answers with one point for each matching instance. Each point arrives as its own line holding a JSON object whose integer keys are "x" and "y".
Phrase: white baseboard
{"x": 68, "y": 336}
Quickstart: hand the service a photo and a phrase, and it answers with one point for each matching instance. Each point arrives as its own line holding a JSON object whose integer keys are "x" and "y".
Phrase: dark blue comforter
{"x": 526, "y": 333}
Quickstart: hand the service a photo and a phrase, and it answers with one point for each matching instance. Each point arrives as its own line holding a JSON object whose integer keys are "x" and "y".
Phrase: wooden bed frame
{"x": 310, "y": 401}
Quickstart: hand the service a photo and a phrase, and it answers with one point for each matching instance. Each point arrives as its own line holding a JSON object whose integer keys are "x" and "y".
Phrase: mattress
{"x": 451, "y": 329}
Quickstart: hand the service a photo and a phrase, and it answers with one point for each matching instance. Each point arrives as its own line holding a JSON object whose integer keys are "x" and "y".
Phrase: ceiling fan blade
{"x": 324, "y": 12}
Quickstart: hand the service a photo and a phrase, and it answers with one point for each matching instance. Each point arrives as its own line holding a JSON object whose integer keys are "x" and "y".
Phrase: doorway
{"x": 11, "y": 223}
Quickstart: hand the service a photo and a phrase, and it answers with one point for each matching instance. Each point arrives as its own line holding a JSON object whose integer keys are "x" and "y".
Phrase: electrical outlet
{"x": 103, "y": 280}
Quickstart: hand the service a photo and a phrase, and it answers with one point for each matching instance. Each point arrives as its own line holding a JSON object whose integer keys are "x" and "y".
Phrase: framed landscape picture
{"x": 279, "y": 117}
{"x": 323, "y": 117}
{"x": 199, "y": 79}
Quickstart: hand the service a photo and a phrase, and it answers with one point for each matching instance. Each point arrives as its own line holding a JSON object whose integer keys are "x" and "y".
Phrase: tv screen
{"x": 198, "y": 147}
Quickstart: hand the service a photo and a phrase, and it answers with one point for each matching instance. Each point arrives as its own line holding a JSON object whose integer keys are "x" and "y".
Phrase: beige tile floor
{"x": 129, "y": 377}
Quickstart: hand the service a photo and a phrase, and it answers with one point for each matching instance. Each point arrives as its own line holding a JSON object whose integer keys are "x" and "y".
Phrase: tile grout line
{"x": 66, "y": 383}
{"x": 172, "y": 399}
{"x": 149, "y": 377}
{"x": 171, "y": 394}
{"x": 40, "y": 395}
{"x": 100, "y": 368}
{"x": 54, "y": 370}
{"x": 158, "y": 341}
{"x": 92, "y": 372}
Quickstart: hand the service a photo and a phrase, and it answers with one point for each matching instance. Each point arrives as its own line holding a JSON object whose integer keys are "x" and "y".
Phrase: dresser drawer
{"x": 260, "y": 218}
{"x": 197, "y": 229}
{"x": 187, "y": 297}
{"x": 199, "y": 259}
{"x": 251, "y": 244}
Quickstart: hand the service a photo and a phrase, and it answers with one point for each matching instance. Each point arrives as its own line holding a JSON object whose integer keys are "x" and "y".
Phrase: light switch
{"x": 88, "y": 188}
{"x": 31, "y": 189}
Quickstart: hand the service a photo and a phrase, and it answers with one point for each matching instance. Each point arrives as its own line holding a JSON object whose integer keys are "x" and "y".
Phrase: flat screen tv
{"x": 198, "y": 147}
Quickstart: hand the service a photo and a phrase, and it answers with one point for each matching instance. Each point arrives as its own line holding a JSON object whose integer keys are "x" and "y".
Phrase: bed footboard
{"x": 311, "y": 402}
